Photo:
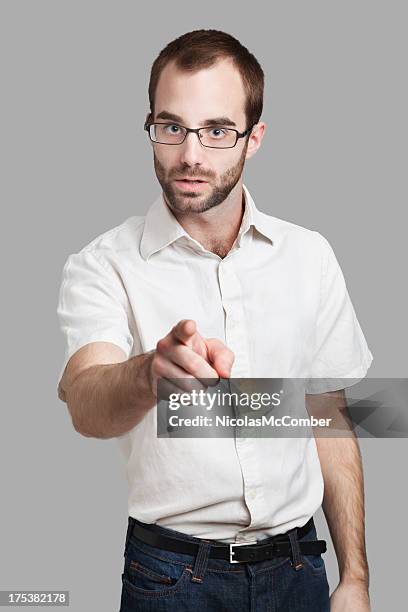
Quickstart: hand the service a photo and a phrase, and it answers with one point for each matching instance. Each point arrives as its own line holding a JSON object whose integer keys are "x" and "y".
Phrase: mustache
{"x": 191, "y": 174}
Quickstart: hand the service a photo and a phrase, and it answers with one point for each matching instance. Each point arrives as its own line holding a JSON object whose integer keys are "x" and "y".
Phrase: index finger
{"x": 184, "y": 331}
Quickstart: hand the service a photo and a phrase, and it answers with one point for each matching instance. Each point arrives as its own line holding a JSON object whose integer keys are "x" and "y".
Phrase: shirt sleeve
{"x": 341, "y": 357}
{"x": 92, "y": 305}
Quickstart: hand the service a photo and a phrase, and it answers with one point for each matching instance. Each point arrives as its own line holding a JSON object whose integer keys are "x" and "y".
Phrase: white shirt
{"x": 278, "y": 300}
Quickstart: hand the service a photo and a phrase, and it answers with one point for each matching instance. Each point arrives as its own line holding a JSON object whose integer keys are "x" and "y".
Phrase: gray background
{"x": 75, "y": 162}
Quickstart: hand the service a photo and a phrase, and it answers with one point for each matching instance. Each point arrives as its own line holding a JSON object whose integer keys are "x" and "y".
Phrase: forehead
{"x": 196, "y": 96}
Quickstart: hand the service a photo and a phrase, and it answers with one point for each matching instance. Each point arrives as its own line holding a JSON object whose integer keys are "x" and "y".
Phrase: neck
{"x": 217, "y": 228}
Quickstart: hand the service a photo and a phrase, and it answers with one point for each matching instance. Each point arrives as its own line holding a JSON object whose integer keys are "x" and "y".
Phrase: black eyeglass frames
{"x": 214, "y": 137}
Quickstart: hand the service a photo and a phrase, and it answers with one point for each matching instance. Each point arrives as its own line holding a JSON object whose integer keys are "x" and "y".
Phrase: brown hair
{"x": 202, "y": 49}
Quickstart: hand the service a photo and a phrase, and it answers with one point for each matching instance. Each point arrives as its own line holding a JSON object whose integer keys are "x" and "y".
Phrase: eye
{"x": 172, "y": 128}
{"x": 217, "y": 133}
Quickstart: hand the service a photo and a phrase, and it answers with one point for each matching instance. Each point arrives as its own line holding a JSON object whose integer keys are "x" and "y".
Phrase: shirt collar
{"x": 161, "y": 227}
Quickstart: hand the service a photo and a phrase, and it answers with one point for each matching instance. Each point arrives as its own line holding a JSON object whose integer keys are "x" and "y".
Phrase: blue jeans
{"x": 163, "y": 581}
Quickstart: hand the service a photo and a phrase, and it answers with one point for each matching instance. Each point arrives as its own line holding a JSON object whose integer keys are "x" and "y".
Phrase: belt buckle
{"x": 231, "y": 552}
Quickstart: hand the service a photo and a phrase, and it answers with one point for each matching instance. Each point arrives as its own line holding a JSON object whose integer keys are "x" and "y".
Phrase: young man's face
{"x": 193, "y": 100}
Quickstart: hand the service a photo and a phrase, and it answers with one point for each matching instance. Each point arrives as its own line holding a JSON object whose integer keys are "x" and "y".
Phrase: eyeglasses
{"x": 213, "y": 137}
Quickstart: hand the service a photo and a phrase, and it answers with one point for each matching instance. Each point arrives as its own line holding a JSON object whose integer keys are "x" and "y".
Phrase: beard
{"x": 192, "y": 201}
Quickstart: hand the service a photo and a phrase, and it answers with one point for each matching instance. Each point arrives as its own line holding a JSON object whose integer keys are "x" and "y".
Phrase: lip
{"x": 188, "y": 185}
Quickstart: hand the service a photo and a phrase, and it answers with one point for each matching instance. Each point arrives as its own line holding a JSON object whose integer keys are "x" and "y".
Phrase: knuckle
{"x": 161, "y": 344}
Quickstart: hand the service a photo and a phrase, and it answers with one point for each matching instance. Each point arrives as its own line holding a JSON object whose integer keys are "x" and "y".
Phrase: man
{"x": 206, "y": 286}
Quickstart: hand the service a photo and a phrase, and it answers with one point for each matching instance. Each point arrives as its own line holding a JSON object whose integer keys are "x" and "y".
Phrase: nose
{"x": 191, "y": 150}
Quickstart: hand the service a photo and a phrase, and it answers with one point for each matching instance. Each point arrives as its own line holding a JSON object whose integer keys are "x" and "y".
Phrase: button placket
{"x": 237, "y": 341}
{"x": 235, "y": 329}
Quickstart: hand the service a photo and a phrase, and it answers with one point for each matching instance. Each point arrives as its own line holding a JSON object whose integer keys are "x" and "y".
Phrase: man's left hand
{"x": 350, "y": 597}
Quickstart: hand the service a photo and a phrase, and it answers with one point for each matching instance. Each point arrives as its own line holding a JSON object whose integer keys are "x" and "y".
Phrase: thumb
{"x": 221, "y": 356}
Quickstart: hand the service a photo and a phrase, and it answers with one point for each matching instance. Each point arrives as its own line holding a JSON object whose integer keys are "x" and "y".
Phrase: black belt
{"x": 279, "y": 546}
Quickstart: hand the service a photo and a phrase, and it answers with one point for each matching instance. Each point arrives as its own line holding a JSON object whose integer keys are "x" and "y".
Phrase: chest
{"x": 263, "y": 307}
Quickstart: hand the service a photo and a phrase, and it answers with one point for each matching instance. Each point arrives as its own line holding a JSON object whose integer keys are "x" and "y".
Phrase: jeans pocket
{"x": 150, "y": 574}
{"x": 315, "y": 563}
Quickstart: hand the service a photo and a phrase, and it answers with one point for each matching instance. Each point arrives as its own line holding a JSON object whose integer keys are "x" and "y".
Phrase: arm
{"x": 108, "y": 396}
{"x": 343, "y": 501}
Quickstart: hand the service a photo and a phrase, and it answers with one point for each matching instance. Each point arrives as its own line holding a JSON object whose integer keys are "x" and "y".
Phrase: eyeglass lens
{"x": 218, "y": 137}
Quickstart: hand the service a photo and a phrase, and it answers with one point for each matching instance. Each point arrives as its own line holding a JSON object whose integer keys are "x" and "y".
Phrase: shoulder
{"x": 120, "y": 238}
{"x": 293, "y": 235}
{"x": 109, "y": 251}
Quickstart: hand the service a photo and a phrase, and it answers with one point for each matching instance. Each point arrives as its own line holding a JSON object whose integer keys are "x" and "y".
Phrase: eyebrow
{"x": 214, "y": 121}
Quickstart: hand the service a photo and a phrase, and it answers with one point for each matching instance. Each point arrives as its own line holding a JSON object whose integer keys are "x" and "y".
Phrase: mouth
{"x": 190, "y": 180}
{"x": 191, "y": 184}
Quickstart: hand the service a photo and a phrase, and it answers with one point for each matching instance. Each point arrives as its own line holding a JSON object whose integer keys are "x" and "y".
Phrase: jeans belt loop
{"x": 297, "y": 563}
{"x": 201, "y": 561}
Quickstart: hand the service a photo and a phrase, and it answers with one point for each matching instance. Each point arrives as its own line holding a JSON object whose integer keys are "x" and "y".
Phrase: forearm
{"x": 343, "y": 501}
{"x": 106, "y": 401}
{"x": 343, "y": 506}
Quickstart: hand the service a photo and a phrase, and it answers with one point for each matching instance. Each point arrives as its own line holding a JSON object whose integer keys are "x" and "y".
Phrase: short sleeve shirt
{"x": 278, "y": 300}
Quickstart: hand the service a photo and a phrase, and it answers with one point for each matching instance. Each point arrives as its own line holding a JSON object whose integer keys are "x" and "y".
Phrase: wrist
{"x": 140, "y": 378}
{"x": 355, "y": 580}
{"x": 148, "y": 375}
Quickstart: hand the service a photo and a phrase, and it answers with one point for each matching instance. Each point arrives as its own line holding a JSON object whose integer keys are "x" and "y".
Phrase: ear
{"x": 255, "y": 139}
{"x": 148, "y": 117}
